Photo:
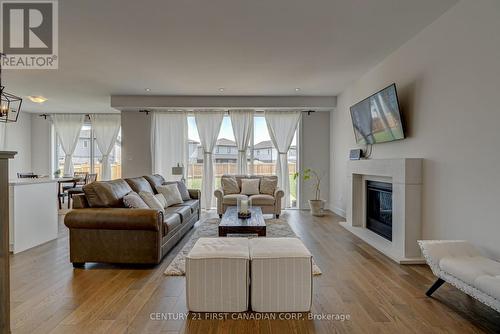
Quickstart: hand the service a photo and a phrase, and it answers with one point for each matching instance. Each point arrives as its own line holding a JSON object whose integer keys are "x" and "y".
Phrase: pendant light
{"x": 10, "y": 105}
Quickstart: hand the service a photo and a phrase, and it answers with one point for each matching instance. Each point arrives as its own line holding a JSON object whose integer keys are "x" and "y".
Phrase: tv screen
{"x": 377, "y": 119}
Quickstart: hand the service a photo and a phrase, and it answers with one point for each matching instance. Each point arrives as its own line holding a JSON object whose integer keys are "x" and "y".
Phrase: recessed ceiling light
{"x": 148, "y": 89}
{"x": 37, "y": 99}
{"x": 221, "y": 89}
{"x": 297, "y": 89}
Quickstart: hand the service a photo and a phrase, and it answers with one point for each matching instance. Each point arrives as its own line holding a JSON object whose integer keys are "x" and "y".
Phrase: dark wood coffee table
{"x": 231, "y": 224}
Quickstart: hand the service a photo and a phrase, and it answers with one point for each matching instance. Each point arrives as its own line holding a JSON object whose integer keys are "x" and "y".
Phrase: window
{"x": 265, "y": 155}
{"x": 87, "y": 156}
{"x": 224, "y": 163}
{"x": 261, "y": 154}
{"x": 115, "y": 158}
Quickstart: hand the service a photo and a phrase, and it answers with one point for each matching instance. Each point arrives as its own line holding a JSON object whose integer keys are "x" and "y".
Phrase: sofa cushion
{"x": 469, "y": 268}
{"x": 250, "y": 186}
{"x": 139, "y": 184}
{"x": 192, "y": 203}
{"x": 155, "y": 180}
{"x": 489, "y": 285}
{"x": 162, "y": 200}
{"x": 134, "y": 201}
{"x": 183, "y": 211}
{"x": 152, "y": 201}
{"x": 241, "y": 177}
{"x": 229, "y": 185}
{"x": 268, "y": 185}
{"x": 232, "y": 199}
{"x": 170, "y": 222}
{"x": 171, "y": 193}
{"x": 182, "y": 189}
{"x": 106, "y": 194}
{"x": 262, "y": 199}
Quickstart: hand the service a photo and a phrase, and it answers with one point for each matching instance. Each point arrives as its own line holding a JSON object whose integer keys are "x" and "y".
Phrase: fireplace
{"x": 403, "y": 185}
{"x": 379, "y": 208}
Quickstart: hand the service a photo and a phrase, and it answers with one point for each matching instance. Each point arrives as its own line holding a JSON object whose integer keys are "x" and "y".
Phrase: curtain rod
{"x": 86, "y": 115}
{"x": 225, "y": 111}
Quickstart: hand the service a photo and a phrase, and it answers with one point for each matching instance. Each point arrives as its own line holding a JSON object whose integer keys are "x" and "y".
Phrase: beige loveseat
{"x": 270, "y": 204}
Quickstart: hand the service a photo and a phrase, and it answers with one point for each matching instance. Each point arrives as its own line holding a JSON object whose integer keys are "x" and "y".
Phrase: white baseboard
{"x": 338, "y": 211}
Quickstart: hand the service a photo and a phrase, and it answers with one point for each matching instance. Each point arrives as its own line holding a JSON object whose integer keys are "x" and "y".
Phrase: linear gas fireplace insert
{"x": 379, "y": 208}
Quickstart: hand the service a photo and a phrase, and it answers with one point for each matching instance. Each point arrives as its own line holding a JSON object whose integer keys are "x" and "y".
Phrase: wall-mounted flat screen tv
{"x": 377, "y": 119}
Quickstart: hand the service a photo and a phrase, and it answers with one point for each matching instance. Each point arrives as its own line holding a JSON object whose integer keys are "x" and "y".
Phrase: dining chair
{"x": 89, "y": 178}
{"x": 78, "y": 178}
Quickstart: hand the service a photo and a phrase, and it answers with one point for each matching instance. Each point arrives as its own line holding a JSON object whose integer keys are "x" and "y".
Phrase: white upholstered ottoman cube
{"x": 217, "y": 275}
{"x": 281, "y": 275}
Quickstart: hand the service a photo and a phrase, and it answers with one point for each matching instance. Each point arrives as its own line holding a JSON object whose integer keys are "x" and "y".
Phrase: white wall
{"x": 18, "y": 138}
{"x": 136, "y": 144}
{"x": 30, "y": 137}
{"x": 314, "y": 153}
{"x": 41, "y": 145}
{"x": 448, "y": 80}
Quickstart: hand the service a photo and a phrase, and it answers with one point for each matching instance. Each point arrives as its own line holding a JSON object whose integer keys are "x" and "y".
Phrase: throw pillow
{"x": 134, "y": 201}
{"x": 171, "y": 193}
{"x": 268, "y": 185}
{"x": 229, "y": 185}
{"x": 182, "y": 189}
{"x": 151, "y": 201}
{"x": 250, "y": 186}
{"x": 162, "y": 200}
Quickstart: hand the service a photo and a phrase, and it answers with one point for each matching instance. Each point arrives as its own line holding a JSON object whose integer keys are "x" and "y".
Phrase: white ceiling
{"x": 194, "y": 47}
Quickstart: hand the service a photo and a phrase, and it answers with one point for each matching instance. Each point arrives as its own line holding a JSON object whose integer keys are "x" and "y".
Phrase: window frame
{"x": 253, "y": 153}
{"x": 91, "y": 144}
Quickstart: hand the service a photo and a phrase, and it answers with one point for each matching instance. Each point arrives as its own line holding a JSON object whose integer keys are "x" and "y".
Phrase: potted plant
{"x": 317, "y": 205}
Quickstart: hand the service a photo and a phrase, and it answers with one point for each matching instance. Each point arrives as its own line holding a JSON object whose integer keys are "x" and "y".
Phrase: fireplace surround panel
{"x": 405, "y": 177}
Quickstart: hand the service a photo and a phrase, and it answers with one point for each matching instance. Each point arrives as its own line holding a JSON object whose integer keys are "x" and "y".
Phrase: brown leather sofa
{"x": 102, "y": 229}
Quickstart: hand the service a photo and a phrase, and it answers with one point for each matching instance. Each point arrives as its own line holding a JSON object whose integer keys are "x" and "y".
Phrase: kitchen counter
{"x": 20, "y": 182}
{"x": 33, "y": 212}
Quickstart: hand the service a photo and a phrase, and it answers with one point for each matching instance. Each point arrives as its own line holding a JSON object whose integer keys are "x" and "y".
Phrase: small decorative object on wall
{"x": 179, "y": 170}
{"x": 317, "y": 205}
{"x": 10, "y": 105}
{"x": 355, "y": 154}
{"x": 243, "y": 207}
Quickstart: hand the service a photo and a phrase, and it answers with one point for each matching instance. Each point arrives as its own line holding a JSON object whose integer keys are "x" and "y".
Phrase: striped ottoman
{"x": 217, "y": 275}
{"x": 281, "y": 275}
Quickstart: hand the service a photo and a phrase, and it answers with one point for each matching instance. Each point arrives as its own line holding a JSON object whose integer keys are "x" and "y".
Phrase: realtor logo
{"x": 29, "y": 34}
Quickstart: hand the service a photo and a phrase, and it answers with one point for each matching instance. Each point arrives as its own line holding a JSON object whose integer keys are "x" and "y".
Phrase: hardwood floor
{"x": 379, "y": 296}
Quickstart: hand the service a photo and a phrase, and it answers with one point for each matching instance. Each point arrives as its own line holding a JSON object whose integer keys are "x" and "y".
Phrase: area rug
{"x": 275, "y": 228}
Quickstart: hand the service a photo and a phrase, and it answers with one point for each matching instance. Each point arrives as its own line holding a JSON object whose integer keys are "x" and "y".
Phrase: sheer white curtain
{"x": 106, "y": 128}
{"x": 168, "y": 142}
{"x": 281, "y": 126}
{"x": 68, "y": 128}
{"x": 208, "y": 124}
{"x": 242, "y": 122}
